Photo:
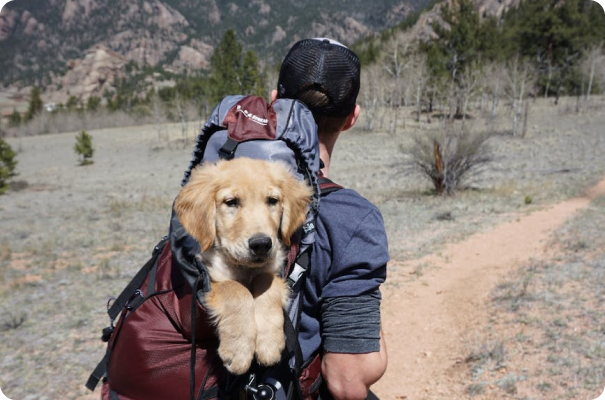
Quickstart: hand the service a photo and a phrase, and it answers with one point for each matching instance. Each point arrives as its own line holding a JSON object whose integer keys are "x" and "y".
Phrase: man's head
{"x": 323, "y": 74}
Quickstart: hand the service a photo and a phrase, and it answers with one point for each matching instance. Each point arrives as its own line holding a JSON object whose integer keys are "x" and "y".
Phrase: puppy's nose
{"x": 260, "y": 245}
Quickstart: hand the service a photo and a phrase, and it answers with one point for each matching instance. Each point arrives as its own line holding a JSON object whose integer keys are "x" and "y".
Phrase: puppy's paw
{"x": 269, "y": 347}
{"x": 231, "y": 305}
{"x": 270, "y": 295}
{"x": 237, "y": 356}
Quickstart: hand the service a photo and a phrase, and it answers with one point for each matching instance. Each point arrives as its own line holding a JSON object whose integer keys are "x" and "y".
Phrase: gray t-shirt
{"x": 341, "y": 297}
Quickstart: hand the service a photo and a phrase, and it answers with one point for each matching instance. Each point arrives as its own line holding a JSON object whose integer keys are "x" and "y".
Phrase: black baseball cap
{"x": 325, "y": 65}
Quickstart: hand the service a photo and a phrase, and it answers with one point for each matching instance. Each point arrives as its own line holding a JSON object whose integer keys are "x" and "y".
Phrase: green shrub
{"x": 15, "y": 119}
{"x": 7, "y": 165}
{"x": 83, "y": 148}
{"x": 93, "y": 103}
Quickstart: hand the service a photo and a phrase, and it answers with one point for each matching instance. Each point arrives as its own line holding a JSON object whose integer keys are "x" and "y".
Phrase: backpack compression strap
{"x": 131, "y": 296}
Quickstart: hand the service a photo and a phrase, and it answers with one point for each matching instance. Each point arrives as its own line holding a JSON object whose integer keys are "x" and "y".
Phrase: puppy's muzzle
{"x": 260, "y": 245}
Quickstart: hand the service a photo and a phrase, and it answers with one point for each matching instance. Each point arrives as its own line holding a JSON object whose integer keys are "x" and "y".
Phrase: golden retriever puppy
{"x": 243, "y": 213}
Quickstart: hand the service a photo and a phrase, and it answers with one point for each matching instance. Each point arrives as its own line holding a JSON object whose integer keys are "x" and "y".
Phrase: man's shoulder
{"x": 347, "y": 209}
{"x": 347, "y": 200}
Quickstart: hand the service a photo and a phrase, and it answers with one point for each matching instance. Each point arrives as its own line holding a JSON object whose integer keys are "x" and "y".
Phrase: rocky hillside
{"x": 422, "y": 29}
{"x": 40, "y": 40}
{"x": 82, "y": 48}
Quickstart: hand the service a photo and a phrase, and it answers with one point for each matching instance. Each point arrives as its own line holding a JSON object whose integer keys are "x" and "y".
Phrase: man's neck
{"x": 326, "y": 145}
{"x": 325, "y": 171}
{"x": 325, "y": 153}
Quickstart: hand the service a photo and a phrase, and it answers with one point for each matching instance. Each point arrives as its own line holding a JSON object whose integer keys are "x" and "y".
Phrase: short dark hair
{"x": 326, "y": 125}
{"x": 323, "y": 74}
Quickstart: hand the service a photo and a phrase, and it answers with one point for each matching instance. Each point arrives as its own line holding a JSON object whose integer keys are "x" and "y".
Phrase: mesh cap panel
{"x": 324, "y": 65}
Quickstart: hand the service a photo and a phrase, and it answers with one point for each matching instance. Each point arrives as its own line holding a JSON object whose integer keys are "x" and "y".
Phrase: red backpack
{"x": 163, "y": 346}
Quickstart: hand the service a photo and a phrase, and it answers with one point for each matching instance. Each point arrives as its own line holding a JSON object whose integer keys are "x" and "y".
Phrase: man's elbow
{"x": 349, "y": 376}
{"x": 348, "y": 390}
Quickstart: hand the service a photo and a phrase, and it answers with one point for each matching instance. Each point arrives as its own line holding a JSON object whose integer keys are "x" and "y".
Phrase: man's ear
{"x": 352, "y": 118}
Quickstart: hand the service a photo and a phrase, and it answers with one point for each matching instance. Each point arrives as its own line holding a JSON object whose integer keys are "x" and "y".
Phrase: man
{"x": 341, "y": 299}
{"x": 164, "y": 346}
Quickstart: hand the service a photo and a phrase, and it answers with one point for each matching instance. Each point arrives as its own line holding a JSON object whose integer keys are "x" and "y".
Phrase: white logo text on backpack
{"x": 254, "y": 118}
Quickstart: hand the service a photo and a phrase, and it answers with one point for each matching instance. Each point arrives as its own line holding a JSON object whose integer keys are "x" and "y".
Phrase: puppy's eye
{"x": 231, "y": 202}
{"x": 272, "y": 201}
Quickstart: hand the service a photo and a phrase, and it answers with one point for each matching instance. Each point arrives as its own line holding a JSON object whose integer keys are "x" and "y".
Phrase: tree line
{"x": 542, "y": 48}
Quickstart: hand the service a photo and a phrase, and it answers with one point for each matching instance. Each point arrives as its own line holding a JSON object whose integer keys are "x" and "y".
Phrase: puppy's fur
{"x": 243, "y": 213}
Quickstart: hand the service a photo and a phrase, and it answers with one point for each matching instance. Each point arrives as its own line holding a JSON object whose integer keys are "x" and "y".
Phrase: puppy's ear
{"x": 296, "y": 198}
{"x": 195, "y": 205}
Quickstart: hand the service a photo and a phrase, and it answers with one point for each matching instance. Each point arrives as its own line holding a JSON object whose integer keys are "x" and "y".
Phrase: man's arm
{"x": 352, "y": 339}
{"x": 349, "y": 376}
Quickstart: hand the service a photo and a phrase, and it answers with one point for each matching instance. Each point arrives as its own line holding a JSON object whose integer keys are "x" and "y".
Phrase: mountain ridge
{"x": 40, "y": 38}
{"x": 83, "y": 48}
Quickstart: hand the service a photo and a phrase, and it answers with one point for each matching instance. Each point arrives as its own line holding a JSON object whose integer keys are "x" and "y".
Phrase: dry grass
{"x": 74, "y": 236}
{"x": 551, "y": 314}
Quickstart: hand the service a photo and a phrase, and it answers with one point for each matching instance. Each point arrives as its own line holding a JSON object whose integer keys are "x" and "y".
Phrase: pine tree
{"x": 459, "y": 47}
{"x": 35, "y": 103}
{"x": 458, "y": 39}
{"x": 226, "y": 65}
{"x": 83, "y": 148}
{"x": 72, "y": 103}
{"x": 15, "y": 118}
{"x": 93, "y": 103}
{"x": 7, "y": 165}
{"x": 555, "y": 33}
{"x": 233, "y": 72}
{"x": 252, "y": 79}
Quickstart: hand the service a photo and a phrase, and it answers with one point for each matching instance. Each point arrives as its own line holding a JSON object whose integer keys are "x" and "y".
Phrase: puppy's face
{"x": 244, "y": 208}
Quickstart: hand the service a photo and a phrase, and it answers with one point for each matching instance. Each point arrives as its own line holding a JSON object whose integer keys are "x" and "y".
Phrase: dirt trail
{"x": 426, "y": 322}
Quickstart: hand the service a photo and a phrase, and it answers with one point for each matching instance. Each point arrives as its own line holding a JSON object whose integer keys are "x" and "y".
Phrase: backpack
{"x": 160, "y": 301}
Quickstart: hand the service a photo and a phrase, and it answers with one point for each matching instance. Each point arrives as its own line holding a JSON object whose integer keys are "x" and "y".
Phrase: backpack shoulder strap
{"x": 328, "y": 186}
{"x": 296, "y": 274}
{"x": 301, "y": 262}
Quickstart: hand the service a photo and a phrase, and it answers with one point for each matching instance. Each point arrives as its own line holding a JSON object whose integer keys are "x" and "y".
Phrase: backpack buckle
{"x": 227, "y": 152}
{"x": 136, "y": 299}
